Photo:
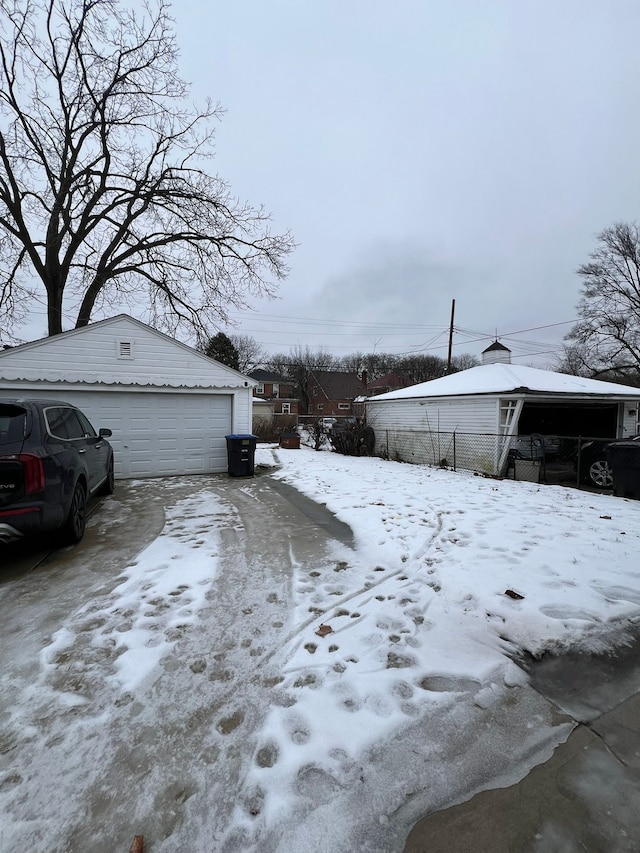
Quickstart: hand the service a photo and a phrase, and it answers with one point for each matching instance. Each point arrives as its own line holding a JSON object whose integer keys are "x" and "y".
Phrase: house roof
{"x": 509, "y": 379}
{"x": 338, "y": 384}
{"x": 389, "y": 380}
{"x": 261, "y": 375}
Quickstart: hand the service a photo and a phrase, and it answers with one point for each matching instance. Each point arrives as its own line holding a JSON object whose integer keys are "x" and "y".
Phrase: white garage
{"x": 169, "y": 407}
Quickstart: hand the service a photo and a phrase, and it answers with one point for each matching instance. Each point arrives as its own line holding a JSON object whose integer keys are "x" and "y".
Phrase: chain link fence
{"x": 563, "y": 460}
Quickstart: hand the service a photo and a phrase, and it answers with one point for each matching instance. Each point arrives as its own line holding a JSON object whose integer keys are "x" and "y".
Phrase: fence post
{"x": 454, "y": 450}
{"x": 578, "y": 473}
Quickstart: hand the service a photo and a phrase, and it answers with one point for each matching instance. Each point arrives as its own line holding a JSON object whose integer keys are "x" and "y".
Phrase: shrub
{"x": 271, "y": 429}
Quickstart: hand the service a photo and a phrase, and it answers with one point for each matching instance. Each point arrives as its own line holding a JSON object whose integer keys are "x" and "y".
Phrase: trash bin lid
{"x": 242, "y": 435}
{"x": 624, "y": 454}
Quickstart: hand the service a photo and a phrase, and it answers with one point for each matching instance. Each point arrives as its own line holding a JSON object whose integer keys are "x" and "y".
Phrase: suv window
{"x": 64, "y": 423}
{"x": 86, "y": 426}
{"x": 13, "y": 420}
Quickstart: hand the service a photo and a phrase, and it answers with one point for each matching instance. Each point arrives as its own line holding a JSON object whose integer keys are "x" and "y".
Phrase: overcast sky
{"x": 424, "y": 151}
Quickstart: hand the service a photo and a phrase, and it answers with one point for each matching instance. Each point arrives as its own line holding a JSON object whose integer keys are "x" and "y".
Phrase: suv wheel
{"x": 72, "y": 530}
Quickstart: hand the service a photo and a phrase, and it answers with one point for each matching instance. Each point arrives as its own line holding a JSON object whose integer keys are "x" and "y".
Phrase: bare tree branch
{"x": 250, "y": 353}
{"x": 105, "y": 198}
{"x": 606, "y": 340}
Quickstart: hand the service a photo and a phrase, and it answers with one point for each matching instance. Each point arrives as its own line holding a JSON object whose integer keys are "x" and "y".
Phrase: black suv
{"x": 51, "y": 461}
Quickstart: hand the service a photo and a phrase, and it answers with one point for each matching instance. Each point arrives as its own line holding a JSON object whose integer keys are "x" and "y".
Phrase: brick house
{"x": 385, "y": 384}
{"x": 276, "y": 390}
{"x": 333, "y": 392}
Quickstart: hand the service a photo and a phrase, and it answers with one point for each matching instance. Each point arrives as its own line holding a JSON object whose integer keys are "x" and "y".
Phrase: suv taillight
{"x": 33, "y": 472}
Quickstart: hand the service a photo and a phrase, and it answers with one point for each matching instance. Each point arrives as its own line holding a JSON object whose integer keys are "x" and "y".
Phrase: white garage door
{"x": 157, "y": 434}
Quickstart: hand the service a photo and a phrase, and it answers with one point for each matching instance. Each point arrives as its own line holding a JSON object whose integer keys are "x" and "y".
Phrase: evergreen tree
{"x": 223, "y": 350}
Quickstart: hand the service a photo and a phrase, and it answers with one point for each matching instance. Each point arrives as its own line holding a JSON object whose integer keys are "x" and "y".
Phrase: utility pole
{"x": 453, "y": 309}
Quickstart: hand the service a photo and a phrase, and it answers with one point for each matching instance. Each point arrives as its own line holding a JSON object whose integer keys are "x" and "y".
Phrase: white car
{"x": 327, "y": 424}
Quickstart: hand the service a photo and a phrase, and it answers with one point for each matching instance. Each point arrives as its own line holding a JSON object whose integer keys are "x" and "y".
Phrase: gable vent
{"x": 125, "y": 349}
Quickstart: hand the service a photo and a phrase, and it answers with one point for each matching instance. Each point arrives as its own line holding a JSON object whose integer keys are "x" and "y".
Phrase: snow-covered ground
{"x": 460, "y": 542}
{"x": 383, "y": 675}
{"x": 453, "y": 575}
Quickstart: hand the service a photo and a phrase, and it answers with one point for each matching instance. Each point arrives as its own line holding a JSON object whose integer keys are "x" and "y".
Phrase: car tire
{"x": 72, "y": 530}
{"x": 109, "y": 485}
{"x": 599, "y": 474}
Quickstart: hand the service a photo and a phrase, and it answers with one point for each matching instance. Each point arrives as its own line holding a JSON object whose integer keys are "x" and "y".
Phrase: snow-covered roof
{"x": 509, "y": 378}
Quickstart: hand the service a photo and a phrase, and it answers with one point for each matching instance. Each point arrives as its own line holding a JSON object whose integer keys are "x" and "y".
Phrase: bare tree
{"x": 281, "y": 364}
{"x": 463, "y": 362}
{"x": 606, "y": 340}
{"x": 375, "y": 364}
{"x": 104, "y": 199}
{"x": 573, "y": 361}
{"x": 353, "y": 363}
{"x": 415, "y": 368}
{"x": 299, "y": 365}
{"x": 421, "y": 368}
{"x": 378, "y": 364}
{"x": 250, "y": 353}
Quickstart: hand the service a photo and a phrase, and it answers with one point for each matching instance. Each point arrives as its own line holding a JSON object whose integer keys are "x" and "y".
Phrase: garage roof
{"x": 118, "y": 351}
{"x": 510, "y": 379}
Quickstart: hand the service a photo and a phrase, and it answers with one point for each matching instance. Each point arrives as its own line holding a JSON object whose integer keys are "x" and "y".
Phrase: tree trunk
{"x": 89, "y": 301}
{"x": 54, "y": 310}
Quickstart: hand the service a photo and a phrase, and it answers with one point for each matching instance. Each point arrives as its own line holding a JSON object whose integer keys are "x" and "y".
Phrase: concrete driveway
{"x": 97, "y": 785}
{"x": 586, "y": 797}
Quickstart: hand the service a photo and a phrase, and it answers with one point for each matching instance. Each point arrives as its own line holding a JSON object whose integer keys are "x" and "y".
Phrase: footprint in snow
{"x": 298, "y": 730}
{"x": 316, "y": 784}
{"x": 563, "y": 612}
{"x": 620, "y": 593}
{"x": 448, "y": 684}
{"x": 267, "y": 755}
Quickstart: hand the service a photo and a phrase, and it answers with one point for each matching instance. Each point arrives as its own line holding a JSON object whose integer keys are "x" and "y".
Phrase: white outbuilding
{"x": 169, "y": 406}
{"x": 476, "y": 414}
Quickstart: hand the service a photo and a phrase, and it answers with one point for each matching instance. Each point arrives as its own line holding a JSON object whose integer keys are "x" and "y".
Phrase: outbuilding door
{"x": 157, "y": 433}
{"x": 593, "y": 420}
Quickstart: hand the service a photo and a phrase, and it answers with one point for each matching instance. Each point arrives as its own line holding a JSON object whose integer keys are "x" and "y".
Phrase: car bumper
{"x": 18, "y": 522}
{"x": 8, "y": 533}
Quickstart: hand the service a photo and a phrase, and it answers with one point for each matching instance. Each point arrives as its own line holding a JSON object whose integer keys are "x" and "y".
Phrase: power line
{"x": 519, "y": 331}
{"x": 349, "y": 329}
{"x": 282, "y": 318}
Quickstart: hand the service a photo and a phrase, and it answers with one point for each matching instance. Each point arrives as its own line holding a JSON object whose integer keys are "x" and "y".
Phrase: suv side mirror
{"x": 105, "y": 433}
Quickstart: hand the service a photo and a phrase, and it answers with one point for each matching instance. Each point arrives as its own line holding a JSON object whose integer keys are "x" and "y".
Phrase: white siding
{"x": 630, "y": 419}
{"x": 92, "y": 354}
{"x": 422, "y": 431}
{"x": 475, "y": 414}
{"x": 242, "y": 411}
